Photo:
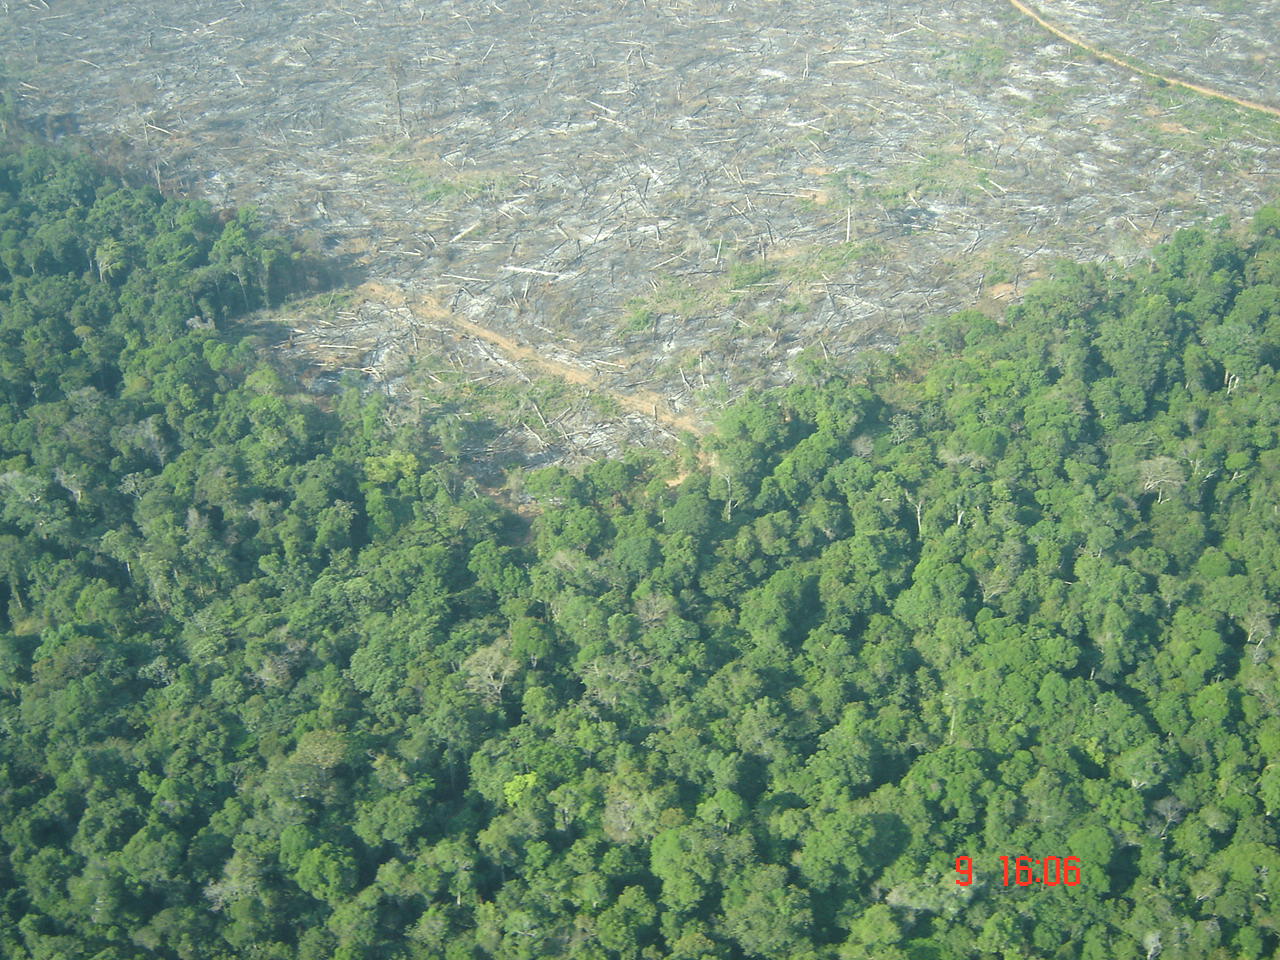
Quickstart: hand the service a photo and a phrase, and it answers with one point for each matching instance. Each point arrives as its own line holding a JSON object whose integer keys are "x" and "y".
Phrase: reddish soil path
{"x": 646, "y": 403}
{"x": 1121, "y": 62}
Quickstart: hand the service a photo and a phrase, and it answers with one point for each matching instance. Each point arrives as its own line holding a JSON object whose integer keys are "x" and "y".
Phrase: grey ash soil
{"x": 675, "y": 197}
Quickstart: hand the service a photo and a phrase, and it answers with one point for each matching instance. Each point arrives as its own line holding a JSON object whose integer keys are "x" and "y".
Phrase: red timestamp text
{"x": 1025, "y": 871}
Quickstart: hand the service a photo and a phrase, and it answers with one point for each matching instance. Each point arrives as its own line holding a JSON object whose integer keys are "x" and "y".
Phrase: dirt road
{"x": 1076, "y": 41}
{"x": 646, "y": 403}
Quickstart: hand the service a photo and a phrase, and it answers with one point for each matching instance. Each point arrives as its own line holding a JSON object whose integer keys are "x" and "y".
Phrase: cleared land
{"x": 675, "y": 199}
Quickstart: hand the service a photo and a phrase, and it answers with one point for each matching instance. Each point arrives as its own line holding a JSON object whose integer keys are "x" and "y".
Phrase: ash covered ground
{"x": 665, "y": 202}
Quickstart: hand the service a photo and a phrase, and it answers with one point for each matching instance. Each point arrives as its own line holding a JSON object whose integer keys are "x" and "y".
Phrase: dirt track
{"x": 1076, "y": 41}
{"x": 646, "y": 403}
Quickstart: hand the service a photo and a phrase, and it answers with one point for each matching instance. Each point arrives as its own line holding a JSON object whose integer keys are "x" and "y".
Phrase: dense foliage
{"x": 275, "y": 681}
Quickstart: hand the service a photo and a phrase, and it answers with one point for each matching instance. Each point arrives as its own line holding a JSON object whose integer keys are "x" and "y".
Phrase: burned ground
{"x": 669, "y": 196}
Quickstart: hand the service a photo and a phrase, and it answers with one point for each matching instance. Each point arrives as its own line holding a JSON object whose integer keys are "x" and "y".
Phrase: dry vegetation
{"x": 668, "y": 196}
